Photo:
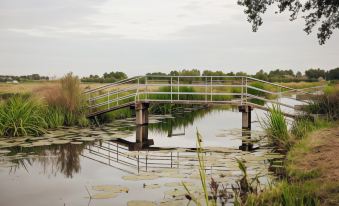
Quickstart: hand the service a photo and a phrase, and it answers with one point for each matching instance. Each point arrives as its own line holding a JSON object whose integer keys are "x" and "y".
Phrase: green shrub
{"x": 22, "y": 115}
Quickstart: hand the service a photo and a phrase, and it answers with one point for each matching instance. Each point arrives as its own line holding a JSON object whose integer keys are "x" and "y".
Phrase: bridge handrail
{"x": 111, "y": 84}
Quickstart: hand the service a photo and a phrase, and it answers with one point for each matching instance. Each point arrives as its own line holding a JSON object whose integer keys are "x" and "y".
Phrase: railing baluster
{"x": 108, "y": 99}
{"x": 171, "y": 89}
{"x": 178, "y": 87}
{"x": 205, "y": 89}
{"x": 211, "y": 89}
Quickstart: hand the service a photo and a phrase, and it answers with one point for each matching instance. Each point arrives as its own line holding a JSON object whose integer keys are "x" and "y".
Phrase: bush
{"x": 22, "y": 115}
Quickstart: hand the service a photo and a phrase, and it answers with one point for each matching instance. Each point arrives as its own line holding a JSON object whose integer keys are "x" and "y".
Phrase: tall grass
{"x": 285, "y": 194}
{"x": 54, "y": 117}
{"x": 203, "y": 176}
{"x": 302, "y": 126}
{"x": 276, "y": 128}
{"x": 22, "y": 115}
{"x": 66, "y": 103}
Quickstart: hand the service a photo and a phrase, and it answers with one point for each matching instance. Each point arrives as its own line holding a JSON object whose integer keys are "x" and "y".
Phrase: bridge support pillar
{"x": 141, "y": 113}
{"x": 246, "y": 116}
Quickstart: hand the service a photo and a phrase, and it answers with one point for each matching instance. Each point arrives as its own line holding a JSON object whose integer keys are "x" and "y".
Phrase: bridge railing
{"x": 237, "y": 90}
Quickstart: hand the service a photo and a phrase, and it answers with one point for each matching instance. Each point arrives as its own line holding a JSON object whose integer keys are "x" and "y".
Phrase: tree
{"x": 323, "y": 14}
{"x": 332, "y": 74}
{"x": 261, "y": 75}
{"x": 315, "y": 73}
{"x": 299, "y": 74}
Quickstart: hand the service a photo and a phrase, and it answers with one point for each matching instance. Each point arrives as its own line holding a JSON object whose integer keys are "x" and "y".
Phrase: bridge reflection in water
{"x": 141, "y": 156}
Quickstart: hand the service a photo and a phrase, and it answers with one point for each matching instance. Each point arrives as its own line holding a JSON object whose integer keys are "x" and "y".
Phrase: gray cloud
{"x": 54, "y": 37}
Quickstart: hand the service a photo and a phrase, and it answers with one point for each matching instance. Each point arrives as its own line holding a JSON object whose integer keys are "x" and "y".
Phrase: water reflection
{"x": 55, "y": 159}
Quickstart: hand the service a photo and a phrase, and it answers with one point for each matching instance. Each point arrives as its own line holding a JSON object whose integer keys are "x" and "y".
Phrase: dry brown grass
{"x": 319, "y": 153}
{"x": 29, "y": 87}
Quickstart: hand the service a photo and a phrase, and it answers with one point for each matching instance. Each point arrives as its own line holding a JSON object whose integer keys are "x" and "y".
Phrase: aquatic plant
{"x": 202, "y": 175}
{"x": 285, "y": 193}
{"x": 22, "y": 115}
{"x": 276, "y": 127}
{"x": 54, "y": 117}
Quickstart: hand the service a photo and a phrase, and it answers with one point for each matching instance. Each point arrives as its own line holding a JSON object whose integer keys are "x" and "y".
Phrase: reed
{"x": 54, "y": 117}
{"x": 276, "y": 128}
{"x": 22, "y": 115}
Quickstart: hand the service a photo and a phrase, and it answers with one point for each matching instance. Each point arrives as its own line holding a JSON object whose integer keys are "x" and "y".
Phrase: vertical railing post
{"x": 246, "y": 84}
{"x": 137, "y": 92}
{"x": 242, "y": 90}
{"x": 211, "y": 88}
{"x": 178, "y": 87}
{"x": 205, "y": 89}
{"x": 108, "y": 99}
{"x": 171, "y": 89}
{"x": 146, "y": 82}
{"x": 117, "y": 96}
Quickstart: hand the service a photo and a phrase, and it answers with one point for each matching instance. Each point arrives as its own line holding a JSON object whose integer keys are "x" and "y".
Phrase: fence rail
{"x": 237, "y": 90}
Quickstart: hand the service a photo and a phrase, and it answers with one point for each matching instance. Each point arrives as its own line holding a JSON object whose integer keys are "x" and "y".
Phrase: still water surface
{"x": 141, "y": 160}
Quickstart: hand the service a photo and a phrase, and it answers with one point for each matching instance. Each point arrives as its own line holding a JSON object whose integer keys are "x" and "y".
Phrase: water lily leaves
{"x": 86, "y": 139}
{"x": 141, "y": 203}
{"x": 110, "y": 188}
{"x": 176, "y": 184}
{"x": 75, "y": 142}
{"x": 60, "y": 141}
{"x": 4, "y": 151}
{"x": 107, "y": 195}
{"x": 151, "y": 186}
{"x": 108, "y": 191}
{"x": 141, "y": 177}
{"x": 173, "y": 203}
{"x": 176, "y": 192}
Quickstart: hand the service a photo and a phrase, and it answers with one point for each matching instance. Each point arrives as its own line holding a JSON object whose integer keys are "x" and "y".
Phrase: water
{"x": 163, "y": 152}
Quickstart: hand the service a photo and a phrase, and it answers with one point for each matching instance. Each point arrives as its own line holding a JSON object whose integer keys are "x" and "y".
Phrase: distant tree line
{"x": 9, "y": 78}
{"x": 105, "y": 78}
{"x": 278, "y": 75}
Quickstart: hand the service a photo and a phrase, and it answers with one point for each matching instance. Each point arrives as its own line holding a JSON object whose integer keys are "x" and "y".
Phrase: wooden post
{"x": 246, "y": 116}
{"x": 141, "y": 112}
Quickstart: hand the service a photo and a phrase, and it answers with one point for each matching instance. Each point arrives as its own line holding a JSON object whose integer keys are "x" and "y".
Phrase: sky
{"x": 85, "y": 37}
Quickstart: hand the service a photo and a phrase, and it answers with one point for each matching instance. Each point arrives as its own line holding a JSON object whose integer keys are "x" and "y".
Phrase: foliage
{"x": 315, "y": 12}
{"x": 326, "y": 104}
{"x": 54, "y": 117}
{"x": 315, "y": 73}
{"x": 304, "y": 125}
{"x": 276, "y": 127}
{"x": 332, "y": 74}
{"x": 32, "y": 77}
{"x": 202, "y": 175}
{"x": 106, "y": 77}
{"x": 22, "y": 115}
{"x": 285, "y": 193}
{"x": 71, "y": 93}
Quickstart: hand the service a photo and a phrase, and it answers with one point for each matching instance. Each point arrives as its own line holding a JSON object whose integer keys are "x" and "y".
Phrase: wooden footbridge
{"x": 246, "y": 92}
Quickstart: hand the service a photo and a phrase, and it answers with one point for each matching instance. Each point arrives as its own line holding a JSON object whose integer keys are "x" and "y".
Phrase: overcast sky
{"x": 53, "y": 37}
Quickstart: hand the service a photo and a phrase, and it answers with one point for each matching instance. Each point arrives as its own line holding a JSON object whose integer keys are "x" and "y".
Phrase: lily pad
{"x": 141, "y": 177}
{"x": 104, "y": 195}
{"x": 110, "y": 188}
{"x": 4, "y": 151}
{"x": 141, "y": 203}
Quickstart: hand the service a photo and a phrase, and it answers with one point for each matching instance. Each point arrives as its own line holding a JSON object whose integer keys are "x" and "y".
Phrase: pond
{"x": 119, "y": 162}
